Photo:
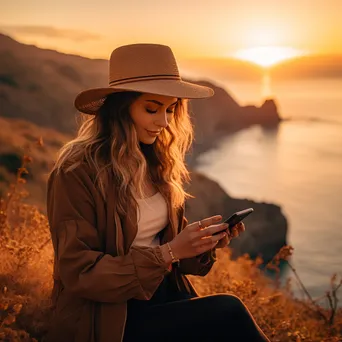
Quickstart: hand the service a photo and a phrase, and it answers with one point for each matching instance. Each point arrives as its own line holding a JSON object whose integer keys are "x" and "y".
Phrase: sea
{"x": 297, "y": 166}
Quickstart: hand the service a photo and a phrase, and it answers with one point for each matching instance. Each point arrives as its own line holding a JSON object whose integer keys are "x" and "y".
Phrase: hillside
{"x": 40, "y": 86}
{"x": 19, "y": 137}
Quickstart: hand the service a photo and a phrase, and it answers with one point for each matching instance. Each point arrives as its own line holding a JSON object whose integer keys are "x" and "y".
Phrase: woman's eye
{"x": 154, "y": 111}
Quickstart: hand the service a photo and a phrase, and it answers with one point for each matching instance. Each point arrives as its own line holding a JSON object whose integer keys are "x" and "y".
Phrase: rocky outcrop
{"x": 220, "y": 115}
{"x": 267, "y": 115}
{"x": 266, "y": 227}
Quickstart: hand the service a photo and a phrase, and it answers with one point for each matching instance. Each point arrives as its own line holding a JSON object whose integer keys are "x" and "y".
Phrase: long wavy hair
{"x": 108, "y": 142}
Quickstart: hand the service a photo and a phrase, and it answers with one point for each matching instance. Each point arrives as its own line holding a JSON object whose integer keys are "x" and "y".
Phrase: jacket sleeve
{"x": 200, "y": 264}
{"x": 82, "y": 267}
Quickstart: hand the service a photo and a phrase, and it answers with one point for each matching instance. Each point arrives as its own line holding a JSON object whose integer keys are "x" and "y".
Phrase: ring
{"x": 200, "y": 224}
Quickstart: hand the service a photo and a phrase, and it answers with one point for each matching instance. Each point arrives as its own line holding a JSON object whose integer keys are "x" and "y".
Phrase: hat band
{"x": 145, "y": 78}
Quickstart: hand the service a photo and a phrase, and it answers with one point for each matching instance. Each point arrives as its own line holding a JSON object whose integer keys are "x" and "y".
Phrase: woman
{"x": 116, "y": 211}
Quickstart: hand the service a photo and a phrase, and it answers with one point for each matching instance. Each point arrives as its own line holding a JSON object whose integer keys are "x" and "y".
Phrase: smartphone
{"x": 236, "y": 218}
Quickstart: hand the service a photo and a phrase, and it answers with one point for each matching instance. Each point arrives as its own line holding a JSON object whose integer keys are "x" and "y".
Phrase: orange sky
{"x": 213, "y": 28}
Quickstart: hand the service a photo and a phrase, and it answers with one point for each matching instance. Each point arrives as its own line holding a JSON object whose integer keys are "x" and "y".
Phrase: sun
{"x": 267, "y": 56}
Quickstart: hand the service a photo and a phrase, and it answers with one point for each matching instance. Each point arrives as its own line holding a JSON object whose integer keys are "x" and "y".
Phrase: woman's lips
{"x": 153, "y": 134}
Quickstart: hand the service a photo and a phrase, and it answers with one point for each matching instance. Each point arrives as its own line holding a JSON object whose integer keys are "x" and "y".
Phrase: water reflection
{"x": 266, "y": 88}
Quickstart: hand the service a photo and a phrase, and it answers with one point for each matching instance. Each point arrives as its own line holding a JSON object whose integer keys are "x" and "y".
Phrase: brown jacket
{"x": 96, "y": 269}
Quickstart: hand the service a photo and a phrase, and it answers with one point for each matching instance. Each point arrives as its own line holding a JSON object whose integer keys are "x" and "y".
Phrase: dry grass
{"x": 281, "y": 316}
{"x": 26, "y": 282}
{"x": 26, "y": 267}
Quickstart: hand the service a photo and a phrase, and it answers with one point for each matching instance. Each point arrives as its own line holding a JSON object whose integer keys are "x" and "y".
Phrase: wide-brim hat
{"x": 145, "y": 68}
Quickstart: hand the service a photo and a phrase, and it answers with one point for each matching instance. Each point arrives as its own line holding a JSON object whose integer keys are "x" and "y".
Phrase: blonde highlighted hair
{"x": 108, "y": 142}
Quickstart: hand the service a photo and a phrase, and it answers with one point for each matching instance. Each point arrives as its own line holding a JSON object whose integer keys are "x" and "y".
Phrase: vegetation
{"x": 26, "y": 281}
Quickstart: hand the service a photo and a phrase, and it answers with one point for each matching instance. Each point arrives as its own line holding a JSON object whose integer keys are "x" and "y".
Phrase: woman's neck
{"x": 147, "y": 151}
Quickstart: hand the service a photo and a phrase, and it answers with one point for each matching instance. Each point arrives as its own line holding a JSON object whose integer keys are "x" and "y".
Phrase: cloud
{"x": 51, "y": 32}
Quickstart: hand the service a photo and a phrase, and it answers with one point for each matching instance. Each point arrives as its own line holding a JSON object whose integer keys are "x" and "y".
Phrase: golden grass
{"x": 281, "y": 316}
{"x": 26, "y": 282}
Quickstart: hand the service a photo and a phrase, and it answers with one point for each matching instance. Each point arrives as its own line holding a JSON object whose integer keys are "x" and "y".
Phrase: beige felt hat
{"x": 145, "y": 68}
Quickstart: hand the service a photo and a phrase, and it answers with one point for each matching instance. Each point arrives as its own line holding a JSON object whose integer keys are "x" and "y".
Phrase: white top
{"x": 154, "y": 217}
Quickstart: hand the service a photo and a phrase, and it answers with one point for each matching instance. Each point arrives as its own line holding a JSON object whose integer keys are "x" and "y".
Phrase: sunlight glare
{"x": 266, "y": 56}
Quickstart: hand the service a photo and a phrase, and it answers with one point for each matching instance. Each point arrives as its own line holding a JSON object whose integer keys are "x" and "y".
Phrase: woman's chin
{"x": 147, "y": 141}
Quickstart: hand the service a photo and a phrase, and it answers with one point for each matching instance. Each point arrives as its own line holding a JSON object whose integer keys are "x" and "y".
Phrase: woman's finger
{"x": 208, "y": 231}
{"x": 223, "y": 242}
{"x": 197, "y": 225}
{"x": 208, "y": 240}
{"x": 234, "y": 232}
{"x": 242, "y": 227}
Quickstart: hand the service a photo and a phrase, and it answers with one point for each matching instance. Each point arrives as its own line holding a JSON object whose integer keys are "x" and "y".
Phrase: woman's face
{"x": 151, "y": 114}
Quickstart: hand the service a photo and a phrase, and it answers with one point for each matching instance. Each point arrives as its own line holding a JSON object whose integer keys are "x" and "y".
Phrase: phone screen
{"x": 237, "y": 217}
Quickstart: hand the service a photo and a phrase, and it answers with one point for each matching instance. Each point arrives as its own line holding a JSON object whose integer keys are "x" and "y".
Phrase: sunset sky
{"x": 261, "y": 31}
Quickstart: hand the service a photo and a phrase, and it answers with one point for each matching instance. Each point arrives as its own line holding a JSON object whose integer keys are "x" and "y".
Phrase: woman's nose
{"x": 162, "y": 121}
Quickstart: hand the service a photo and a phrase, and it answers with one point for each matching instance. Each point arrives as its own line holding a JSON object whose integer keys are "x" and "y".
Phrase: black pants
{"x": 220, "y": 317}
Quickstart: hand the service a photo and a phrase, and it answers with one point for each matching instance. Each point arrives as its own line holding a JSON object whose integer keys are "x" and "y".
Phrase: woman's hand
{"x": 197, "y": 237}
{"x": 236, "y": 231}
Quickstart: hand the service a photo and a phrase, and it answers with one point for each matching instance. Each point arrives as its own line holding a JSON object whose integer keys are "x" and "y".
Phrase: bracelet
{"x": 174, "y": 259}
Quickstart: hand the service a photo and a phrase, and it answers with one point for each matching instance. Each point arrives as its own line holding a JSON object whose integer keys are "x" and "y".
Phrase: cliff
{"x": 266, "y": 227}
